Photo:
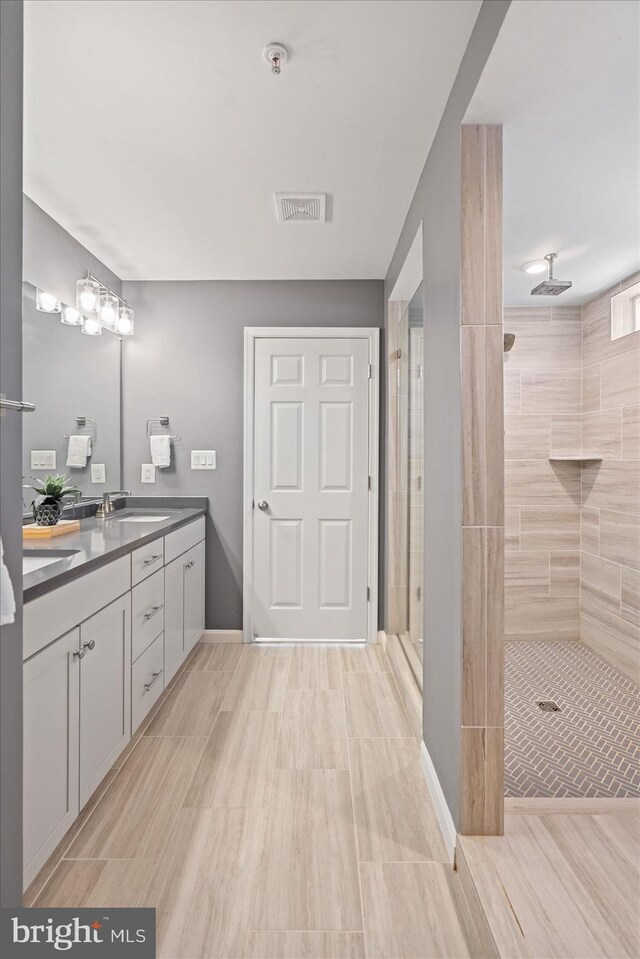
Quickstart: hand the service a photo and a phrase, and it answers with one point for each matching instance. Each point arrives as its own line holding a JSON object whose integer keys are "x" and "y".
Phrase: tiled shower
{"x": 572, "y": 552}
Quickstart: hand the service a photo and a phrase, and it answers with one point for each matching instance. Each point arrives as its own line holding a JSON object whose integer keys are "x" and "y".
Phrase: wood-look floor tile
{"x": 133, "y": 818}
{"x": 219, "y": 657}
{"x": 237, "y": 764}
{"x": 315, "y": 667}
{"x": 203, "y": 885}
{"x": 370, "y": 658}
{"x": 395, "y": 819}
{"x": 264, "y": 944}
{"x": 374, "y": 707}
{"x": 86, "y": 883}
{"x": 308, "y": 875}
{"x": 413, "y": 911}
{"x": 259, "y": 682}
{"x": 192, "y": 707}
{"x": 314, "y": 732}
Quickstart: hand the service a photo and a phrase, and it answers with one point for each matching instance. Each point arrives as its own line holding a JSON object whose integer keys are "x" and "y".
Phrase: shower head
{"x": 551, "y": 286}
{"x": 509, "y": 340}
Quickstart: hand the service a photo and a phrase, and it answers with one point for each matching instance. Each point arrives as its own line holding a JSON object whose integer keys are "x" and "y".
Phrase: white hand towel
{"x": 7, "y": 599}
{"x": 160, "y": 447}
{"x": 79, "y": 450}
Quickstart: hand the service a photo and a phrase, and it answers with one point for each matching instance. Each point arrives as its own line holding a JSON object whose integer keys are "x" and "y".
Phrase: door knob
{"x": 79, "y": 653}
{"x": 90, "y": 645}
{"x": 263, "y": 505}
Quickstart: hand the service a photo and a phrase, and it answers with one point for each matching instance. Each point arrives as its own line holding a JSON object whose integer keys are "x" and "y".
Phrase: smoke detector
{"x": 301, "y": 207}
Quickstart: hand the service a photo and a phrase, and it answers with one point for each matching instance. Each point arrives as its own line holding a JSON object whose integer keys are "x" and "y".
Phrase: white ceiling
{"x": 564, "y": 79}
{"x": 157, "y": 136}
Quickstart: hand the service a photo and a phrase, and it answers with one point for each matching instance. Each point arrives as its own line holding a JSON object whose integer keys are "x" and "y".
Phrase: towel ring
{"x": 85, "y": 422}
{"x": 162, "y": 421}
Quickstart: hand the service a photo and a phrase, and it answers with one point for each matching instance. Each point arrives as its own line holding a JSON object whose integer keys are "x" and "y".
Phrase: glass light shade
{"x": 47, "y": 303}
{"x": 71, "y": 316}
{"x": 91, "y": 326}
{"x": 109, "y": 308}
{"x": 87, "y": 295}
{"x": 124, "y": 324}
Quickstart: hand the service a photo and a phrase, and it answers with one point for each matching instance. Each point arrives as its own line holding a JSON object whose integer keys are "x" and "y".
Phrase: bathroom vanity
{"x": 106, "y": 627}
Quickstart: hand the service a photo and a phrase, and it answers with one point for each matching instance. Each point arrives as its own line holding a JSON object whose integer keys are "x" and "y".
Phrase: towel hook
{"x": 161, "y": 421}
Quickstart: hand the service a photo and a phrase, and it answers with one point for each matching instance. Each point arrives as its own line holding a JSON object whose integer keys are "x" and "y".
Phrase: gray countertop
{"x": 99, "y": 542}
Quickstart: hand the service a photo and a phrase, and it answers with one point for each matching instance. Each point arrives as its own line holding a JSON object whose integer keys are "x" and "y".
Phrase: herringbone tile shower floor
{"x": 591, "y": 748}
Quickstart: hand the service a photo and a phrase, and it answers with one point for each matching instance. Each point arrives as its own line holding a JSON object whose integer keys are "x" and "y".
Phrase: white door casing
{"x": 310, "y": 567}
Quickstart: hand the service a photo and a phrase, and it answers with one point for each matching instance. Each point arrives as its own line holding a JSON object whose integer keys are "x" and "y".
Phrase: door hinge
{"x": 369, "y": 482}
{"x": 419, "y": 482}
{"x": 419, "y": 592}
{"x": 369, "y": 371}
{"x": 368, "y": 594}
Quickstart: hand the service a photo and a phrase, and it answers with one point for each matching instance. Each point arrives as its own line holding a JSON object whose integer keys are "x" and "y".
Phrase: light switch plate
{"x": 148, "y": 473}
{"x": 98, "y": 473}
{"x": 43, "y": 459}
{"x": 203, "y": 459}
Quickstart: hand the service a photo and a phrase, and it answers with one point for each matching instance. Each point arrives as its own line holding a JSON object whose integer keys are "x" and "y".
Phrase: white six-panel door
{"x": 311, "y": 467}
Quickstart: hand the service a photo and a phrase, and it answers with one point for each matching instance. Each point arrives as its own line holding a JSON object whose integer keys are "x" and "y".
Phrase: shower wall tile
{"x": 564, "y": 574}
{"x": 542, "y": 617}
{"x": 610, "y": 558}
{"x": 474, "y": 626}
{"x": 511, "y": 389}
{"x": 474, "y": 471}
{"x": 631, "y": 433}
{"x": 602, "y": 433}
{"x": 527, "y": 437}
{"x": 545, "y": 346}
{"x": 495, "y": 560}
{"x": 526, "y": 573}
{"x": 540, "y": 483}
{"x": 550, "y": 527}
{"x": 494, "y": 417}
{"x": 547, "y": 391}
{"x": 630, "y": 595}
{"x": 566, "y": 434}
{"x": 512, "y": 527}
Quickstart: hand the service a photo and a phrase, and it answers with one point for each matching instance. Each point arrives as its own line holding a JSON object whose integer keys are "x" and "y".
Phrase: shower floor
{"x": 591, "y": 748}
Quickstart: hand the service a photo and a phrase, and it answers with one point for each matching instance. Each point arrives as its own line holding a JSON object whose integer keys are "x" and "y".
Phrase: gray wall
{"x": 186, "y": 361}
{"x": 437, "y": 202}
{"x": 10, "y": 446}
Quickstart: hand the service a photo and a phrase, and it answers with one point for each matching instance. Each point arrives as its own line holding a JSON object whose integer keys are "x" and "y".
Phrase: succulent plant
{"x": 53, "y": 489}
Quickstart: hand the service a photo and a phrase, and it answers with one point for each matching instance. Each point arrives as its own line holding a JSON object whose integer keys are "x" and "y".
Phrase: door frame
{"x": 251, "y": 334}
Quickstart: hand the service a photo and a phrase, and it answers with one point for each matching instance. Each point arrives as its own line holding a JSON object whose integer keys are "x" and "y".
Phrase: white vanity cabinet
{"x": 105, "y": 692}
{"x": 98, "y": 652}
{"x": 51, "y": 748}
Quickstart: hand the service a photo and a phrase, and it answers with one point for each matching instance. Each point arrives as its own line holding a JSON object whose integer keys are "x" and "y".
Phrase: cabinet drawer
{"x": 147, "y": 613}
{"x": 147, "y": 681}
{"x": 146, "y": 560}
{"x": 183, "y": 539}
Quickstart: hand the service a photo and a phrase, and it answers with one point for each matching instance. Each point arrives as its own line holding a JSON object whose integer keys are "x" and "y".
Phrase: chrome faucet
{"x": 107, "y": 507}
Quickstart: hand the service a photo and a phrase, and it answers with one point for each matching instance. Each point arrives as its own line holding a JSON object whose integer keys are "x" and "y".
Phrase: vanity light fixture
{"x": 71, "y": 316}
{"x": 534, "y": 266}
{"x": 124, "y": 323}
{"x": 47, "y": 303}
{"x": 88, "y": 294}
{"x": 91, "y": 326}
{"x": 109, "y": 309}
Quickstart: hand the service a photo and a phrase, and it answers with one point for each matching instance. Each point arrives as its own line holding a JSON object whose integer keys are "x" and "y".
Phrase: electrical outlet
{"x": 98, "y": 473}
{"x": 203, "y": 459}
{"x": 43, "y": 459}
{"x": 148, "y": 473}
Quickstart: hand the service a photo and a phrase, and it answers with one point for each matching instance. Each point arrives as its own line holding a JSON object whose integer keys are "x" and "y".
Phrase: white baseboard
{"x": 445, "y": 819}
{"x": 221, "y": 636}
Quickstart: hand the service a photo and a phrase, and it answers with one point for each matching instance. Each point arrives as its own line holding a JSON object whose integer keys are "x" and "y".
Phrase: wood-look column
{"x": 481, "y": 357}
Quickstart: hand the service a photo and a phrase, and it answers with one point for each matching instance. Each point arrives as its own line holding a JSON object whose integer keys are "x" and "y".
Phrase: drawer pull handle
{"x": 79, "y": 653}
{"x": 152, "y": 559}
{"x": 90, "y": 645}
{"x": 152, "y": 612}
{"x": 156, "y": 677}
{"x": 189, "y": 565}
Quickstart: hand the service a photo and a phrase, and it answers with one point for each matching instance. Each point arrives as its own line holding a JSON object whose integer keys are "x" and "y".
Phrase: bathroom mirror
{"x": 69, "y": 376}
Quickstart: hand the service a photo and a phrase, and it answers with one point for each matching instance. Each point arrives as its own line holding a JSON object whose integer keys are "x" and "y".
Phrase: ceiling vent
{"x": 301, "y": 207}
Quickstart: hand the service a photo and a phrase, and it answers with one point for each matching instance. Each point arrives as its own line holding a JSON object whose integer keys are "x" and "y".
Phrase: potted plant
{"x": 47, "y": 510}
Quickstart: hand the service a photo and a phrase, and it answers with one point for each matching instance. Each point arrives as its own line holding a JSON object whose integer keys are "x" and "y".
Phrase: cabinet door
{"x": 50, "y": 770}
{"x": 105, "y": 692}
{"x": 194, "y": 596}
{"x": 173, "y": 616}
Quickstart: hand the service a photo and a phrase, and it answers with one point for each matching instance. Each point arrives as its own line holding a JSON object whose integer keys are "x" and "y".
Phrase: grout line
{"x": 353, "y": 812}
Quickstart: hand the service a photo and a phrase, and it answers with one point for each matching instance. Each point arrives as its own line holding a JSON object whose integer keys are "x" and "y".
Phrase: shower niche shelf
{"x": 580, "y": 458}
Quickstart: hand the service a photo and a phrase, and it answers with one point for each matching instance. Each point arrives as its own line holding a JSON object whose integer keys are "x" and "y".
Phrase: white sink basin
{"x": 142, "y": 519}
{"x": 33, "y": 559}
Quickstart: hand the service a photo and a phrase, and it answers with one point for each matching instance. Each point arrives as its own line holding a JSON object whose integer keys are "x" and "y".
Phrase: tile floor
{"x": 591, "y": 748}
{"x": 274, "y": 807}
